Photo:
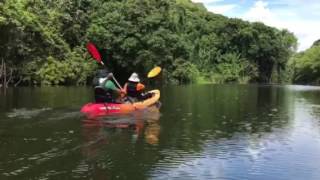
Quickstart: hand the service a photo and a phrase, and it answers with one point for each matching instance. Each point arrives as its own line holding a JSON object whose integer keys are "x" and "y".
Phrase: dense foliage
{"x": 306, "y": 66}
{"x": 43, "y": 41}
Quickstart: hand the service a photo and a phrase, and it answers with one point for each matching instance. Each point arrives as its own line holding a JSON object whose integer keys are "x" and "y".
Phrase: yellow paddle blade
{"x": 154, "y": 72}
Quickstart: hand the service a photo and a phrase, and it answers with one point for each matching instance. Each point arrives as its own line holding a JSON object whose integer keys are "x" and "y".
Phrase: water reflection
{"x": 100, "y": 136}
{"x": 204, "y": 132}
{"x": 265, "y": 128}
{"x": 145, "y": 121}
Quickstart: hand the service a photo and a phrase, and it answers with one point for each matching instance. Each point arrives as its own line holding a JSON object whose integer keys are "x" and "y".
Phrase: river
{"x": 200, "y": 132}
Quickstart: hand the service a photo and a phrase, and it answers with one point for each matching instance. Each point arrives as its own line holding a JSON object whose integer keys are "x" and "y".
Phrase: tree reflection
{"x": 113, "y": 142}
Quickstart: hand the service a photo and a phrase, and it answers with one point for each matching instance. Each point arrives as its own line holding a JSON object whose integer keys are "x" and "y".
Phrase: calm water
{"x": 200, "y": 132}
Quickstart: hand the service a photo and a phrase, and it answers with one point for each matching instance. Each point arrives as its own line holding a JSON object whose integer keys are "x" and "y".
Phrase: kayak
{"x": 106, "y": 109}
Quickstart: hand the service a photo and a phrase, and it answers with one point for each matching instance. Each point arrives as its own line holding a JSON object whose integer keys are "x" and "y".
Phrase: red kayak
{"x": 104, "y": 109}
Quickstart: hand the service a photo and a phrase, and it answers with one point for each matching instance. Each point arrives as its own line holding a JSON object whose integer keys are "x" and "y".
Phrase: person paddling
{"x": 100, "y": 75}
{"x": 107, "y": 90}
{"x": 134, "y": 89}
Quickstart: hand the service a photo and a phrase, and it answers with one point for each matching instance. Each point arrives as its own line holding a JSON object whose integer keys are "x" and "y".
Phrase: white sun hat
{"x": 134, "y": 77}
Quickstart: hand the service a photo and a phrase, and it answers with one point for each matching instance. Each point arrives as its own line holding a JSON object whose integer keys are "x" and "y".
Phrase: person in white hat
{"x": 133, "y": 87}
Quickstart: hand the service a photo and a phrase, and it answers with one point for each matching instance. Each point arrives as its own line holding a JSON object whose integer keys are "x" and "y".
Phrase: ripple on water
{"x": 274, "y": 138}
{"x": 81, "y": 170}
{"x": 26, "y": 113}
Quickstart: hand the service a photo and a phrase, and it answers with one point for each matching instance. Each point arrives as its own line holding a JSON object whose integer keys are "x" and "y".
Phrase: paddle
{"x": 96, "y": 56}
{"x": 154, "y": 72}
{"x": 94, "y": 52}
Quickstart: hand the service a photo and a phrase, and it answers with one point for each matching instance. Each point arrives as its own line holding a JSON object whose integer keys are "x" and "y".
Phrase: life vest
{"x": 132, "y": 89}
{"x": 102, "y": 94}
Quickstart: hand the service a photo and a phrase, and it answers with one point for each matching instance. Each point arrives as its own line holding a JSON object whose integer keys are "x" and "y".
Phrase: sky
{"x": 302, "y": 17}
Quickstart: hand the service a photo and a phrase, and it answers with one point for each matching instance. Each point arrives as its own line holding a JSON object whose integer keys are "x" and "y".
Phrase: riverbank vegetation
{"x": 305, "y": 66}
{"x": 42, "y": 42}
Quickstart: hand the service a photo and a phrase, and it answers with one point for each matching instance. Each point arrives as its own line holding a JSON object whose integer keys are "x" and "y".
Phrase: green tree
{"x": 43, "y": 41}
{"x": 306, "y": 66}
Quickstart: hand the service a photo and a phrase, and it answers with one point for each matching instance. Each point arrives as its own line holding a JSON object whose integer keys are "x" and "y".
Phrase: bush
{"x": 76, "y": 69}
{"x": 233, "y": 68}
{"x": 185, "y": 72}
{"x": 307, "y": 66}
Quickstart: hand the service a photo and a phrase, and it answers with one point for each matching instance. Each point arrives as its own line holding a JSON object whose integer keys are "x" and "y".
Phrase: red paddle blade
{"x": 94, "y": 52}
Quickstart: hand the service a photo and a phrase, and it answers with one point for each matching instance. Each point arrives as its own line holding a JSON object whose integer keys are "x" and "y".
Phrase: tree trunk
{"x": 17, "y": 83}
{"x": 4, "y": 75}
{"x": 10, "y": 77}
{"x": 1, "y": 72}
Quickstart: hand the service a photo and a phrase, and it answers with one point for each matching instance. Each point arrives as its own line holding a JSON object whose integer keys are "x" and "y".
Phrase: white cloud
{"x": 207, "y": 1}
{"x": 259, "y": 12}
{"x": 221, "y": 9}
{"x": 307, "y": 31}
{"x": 215, "y": 6}
{"x": 302, "y": 17}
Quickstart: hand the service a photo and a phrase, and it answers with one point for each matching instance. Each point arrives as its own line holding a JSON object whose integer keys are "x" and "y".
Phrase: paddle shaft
{"x": 114, "y": 79}
{"x": 118, "y": 84}
{"x": 96, "y": 55}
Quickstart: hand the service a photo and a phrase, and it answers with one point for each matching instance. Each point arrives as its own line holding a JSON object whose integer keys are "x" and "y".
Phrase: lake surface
{"x": 200, "y": 132}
